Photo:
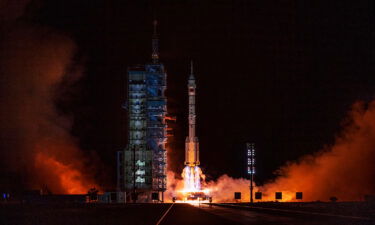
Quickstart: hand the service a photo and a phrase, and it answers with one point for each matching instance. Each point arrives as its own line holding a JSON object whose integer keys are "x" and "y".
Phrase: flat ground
{"x": 356, "y": 209}
{"x": 150, "y": 214}
{"x": 259, "y": 216}
{"x": 81, "y": 214}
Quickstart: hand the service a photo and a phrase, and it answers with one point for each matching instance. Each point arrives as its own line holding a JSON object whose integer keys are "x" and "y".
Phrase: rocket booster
{"x": 191, "y": 143}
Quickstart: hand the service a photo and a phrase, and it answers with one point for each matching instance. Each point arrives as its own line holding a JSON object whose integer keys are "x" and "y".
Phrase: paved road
{"x": 183, "y": 214}
{"x": 150, "y": 214}
{"x": 186, "y": 214}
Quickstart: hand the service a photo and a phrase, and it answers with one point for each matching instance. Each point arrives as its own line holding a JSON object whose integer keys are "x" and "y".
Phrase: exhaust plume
{"x": 222, "y": 190}
{"x": 345, "y": 170}
{"x": 36, "y": 145}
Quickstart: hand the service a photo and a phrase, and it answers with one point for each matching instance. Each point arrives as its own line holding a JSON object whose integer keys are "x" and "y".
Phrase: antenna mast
{"x": 155, "y": 44}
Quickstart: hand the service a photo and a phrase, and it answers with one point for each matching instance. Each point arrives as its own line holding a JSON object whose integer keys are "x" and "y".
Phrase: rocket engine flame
{"x": 192, "y": 178}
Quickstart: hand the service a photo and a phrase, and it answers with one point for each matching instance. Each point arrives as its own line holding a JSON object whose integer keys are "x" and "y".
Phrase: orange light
{"x": 70, "y": 179}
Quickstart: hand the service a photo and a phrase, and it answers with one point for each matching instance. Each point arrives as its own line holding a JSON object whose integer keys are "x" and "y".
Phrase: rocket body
{"x": 192, "y": 173}
{"x": 191, "y": 142}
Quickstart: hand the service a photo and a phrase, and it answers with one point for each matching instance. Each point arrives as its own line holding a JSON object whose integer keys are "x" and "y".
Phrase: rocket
{"x": 191, "y": 142}
{"x": 192, "y": 173}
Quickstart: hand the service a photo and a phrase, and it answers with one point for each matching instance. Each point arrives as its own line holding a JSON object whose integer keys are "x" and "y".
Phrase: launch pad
{"x": 202, "y": 196}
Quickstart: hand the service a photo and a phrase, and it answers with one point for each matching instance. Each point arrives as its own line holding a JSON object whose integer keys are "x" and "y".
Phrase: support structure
{"x": 251, "y": 167}
{"x": 142, "y": 165}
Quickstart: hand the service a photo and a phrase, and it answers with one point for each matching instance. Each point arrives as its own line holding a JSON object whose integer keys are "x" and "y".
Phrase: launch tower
{"x": 142, "y": 164}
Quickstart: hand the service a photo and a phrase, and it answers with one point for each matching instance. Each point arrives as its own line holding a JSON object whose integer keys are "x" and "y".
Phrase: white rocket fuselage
{"x": 192, "y": 143}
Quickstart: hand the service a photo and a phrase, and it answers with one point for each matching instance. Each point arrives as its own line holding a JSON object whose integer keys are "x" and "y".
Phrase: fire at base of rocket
{"x": 192, "y": 178}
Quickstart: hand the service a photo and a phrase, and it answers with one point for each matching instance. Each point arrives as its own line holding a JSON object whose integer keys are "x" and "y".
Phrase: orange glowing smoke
{"x": 222, "y": 190}
{"x": 69, "y": 179}
{"x": 174, "y": 185}
{"x": 345, "y": 170}
{"x": 62, "y": 167}
{"x": 38, "y": 66}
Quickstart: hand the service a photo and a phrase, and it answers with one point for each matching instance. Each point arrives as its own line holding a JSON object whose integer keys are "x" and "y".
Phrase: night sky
{"x": 281, "y": 74}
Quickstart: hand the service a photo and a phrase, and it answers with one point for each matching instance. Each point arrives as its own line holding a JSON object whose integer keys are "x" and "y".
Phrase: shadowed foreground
{"x": 151, "y": 214}
{"x": 82, "y": 214}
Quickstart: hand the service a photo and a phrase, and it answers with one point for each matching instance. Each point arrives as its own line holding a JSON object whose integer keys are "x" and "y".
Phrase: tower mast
{"x": 155, "y": 44}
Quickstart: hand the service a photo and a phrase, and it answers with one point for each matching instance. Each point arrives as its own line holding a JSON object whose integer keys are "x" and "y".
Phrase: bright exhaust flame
{"x": 189, "y": 189}
{"x": 192, "y": 178}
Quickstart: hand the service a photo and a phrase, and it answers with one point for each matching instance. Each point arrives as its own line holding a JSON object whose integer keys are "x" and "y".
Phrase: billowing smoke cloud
{"x": 174, "y": 185}
{"x": 222, "y": 190}
{"x": 345, "y": 170}
{"x": 36, "y": 148}
{"x": 10, "y": 10}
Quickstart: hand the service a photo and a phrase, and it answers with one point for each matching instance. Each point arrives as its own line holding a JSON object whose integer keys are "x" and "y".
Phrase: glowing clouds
{"x": 222, "y": 190}
{"x": 69, "y": 180}
{"x": 34, "y": 63}
{"x": 345, "y": 170}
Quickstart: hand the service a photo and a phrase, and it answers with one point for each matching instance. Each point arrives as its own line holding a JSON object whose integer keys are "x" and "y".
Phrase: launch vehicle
{"x": 192, "y": 173}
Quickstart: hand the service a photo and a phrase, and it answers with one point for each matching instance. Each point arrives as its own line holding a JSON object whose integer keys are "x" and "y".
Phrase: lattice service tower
{"x": 142, "y": 165}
